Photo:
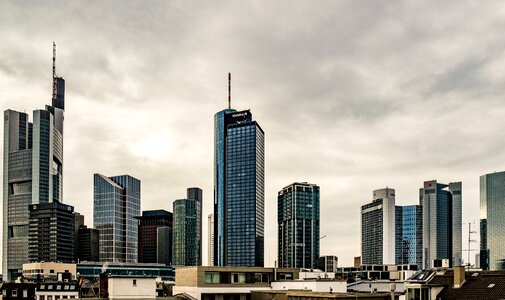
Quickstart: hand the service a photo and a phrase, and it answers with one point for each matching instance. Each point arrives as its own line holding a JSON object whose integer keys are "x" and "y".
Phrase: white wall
{"x": 123, "y": 288}
{"x": 312, "y": 285}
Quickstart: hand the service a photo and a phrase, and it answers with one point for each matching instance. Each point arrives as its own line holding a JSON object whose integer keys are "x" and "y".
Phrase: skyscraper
{"x": 492, "y": 221}
{"x": 409, "y": 235}
{"x": 441, "y": 205}
{"x": 187, "y": 230}
{"x": 149, "y": 223}
{"x": 32, "y": 172}
{"x": 210, "y": 248}
{"x": 378, "y": 228}
{"x": 116, "y": 204}
{"x": 51, "y": 234}
{"x": 239, "y": 159}
{"x": 298, "y": 225}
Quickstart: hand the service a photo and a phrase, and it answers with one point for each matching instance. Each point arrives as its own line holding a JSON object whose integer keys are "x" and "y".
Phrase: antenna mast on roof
{"x": 54, "y": 70}
{"x": 229, "y": 90}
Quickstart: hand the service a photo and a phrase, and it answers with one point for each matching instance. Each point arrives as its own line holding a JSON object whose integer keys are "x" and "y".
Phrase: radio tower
{"x": 54, "y": 71}
{"x": 229, "y": 90}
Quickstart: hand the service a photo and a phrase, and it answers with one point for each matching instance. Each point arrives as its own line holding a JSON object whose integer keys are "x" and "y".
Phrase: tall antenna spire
{"x": 54, "y": 70}
{"x": 229, "y": 90}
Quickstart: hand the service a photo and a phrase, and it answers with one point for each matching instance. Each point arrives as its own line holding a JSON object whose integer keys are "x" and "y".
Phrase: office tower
{"x": 116, "y": 204}
{"x": 89, "y": 244}
{"x": 239, "y": 159}
{"x": 298, "y": 225}
{"x": 51, "y": 232}
{"x": 187, "y": 228}
{"x": 441, "y": 222}
{"x": 164, "y": 245}
{"x": 149, "y": 223}
{"x": 210, "y": 248}
{"x": 78, "y": 222}
{"x": 409, "y": 235}
{"x": 492, "y": 221}
{"x": 378, "y": 229}
{"x": 32, "y": 172}
{"x": 327, "y": 263}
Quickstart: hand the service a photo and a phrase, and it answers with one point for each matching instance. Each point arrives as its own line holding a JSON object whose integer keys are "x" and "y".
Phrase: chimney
{"x": 459, "y": 276}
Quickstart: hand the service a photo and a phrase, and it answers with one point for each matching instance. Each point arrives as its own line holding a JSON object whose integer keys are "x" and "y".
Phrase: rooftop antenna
{"x": 229, "y": 90}
{"x": 54, "y": 70}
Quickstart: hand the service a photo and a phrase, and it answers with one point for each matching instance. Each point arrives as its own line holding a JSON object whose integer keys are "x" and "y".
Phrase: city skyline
{"x": 377, "y": 90}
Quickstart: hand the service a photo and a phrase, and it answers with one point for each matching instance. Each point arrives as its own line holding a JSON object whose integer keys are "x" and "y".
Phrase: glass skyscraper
{"x": 32, "y": 173}
{"x": 409, "y": 237}
{"x": 378, "y": 228}
{"x": 239, "y": 159}
{"x": 298, "y": 226}
{"x": 187, "y": 229}
{"x": 116, "y": 203}
{"x": 492, "y": 221}
{"x": 441, "y": 206}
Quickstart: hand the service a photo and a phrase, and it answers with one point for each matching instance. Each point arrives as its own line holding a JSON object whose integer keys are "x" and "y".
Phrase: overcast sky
{"x": 352, "y": 96}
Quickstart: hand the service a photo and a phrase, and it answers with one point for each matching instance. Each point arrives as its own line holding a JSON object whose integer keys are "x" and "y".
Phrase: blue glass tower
{"x": 409, "y": 236}
{"x": 115, "y": 206}
{"x": 239, "y": 155}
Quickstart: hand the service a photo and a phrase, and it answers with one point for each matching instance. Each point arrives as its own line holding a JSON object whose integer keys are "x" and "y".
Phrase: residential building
{"x": 409, "y": 235}
{"x": 308, "y": 294}
{"x": 32, "y": 172}
{"x": 239, "y": 169}
{"x": 226, "y": 282}
{"x": 492, "y": 221}
{"x": 210, "y": 247}
{"x": 116, "y": 204}
{"x": 57, "y": 290}
{"x": 187, "y": 229}
{"x": 149, "y": 223}
{"x": 327, "y": 263}
{"x": 441, "y": 206}
{"x": 378, "y": 228}
{"x": 89, "y": 244}
{"x": 51, "y": 235}
{"x": 298, "y": 225}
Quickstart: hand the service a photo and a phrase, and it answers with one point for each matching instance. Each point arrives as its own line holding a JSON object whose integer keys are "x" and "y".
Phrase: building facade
{"x": 409, "y": 235}
{"x": 378, "y": 228}
{"x": 327, "y": 263}
{"x": 441, "y": 206}
{"x": 116, "y": 204}
{"x": 164, "y": 245}
{"x": 51, "y": 235}
{"x": 32, "y": 172}
{"x": 149, "y": 223}
{"x": 187, "y": 229}
{"x": 492, "y": 221}
{"x": 89, "y": 244}
{"x": 298, "y": 225}
{"x": 239, "y": 164}
{"x": 210, "y": 247}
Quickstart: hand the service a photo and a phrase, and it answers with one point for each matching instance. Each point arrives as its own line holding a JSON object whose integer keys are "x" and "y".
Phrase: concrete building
{"x": 492, "y": 221}
{"x": 298, "y": 225}
{"x": 57, "y": 290}
{"x": 138, "y": 288}
{"x": 327, "y": 263}
{"x": 32, "y": 172}
{"x": 210, "y": 246}
{"x": 115, "y": 206}
{"x": 187, "y": 230}
{"x": 149, "y": 223}
{"x": 378, "y": 228}
{"x": 207, "y": 283}
{"x": 89, "y": 244}
{"x": 51, "y": 232}
{"x": 441, "y": 206}
{"x": 48, "y": 270}
{"x": 239, "y": 189}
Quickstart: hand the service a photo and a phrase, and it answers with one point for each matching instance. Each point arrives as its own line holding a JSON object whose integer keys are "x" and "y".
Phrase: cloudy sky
{"x": 352, "y": 95}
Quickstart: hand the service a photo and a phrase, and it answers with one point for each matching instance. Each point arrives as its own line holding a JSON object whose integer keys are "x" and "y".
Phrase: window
{"x": 134, "y": 282}
{"x": 238, "y": 278}
{"x": 51, "y": 271}
{"x": 212, "y": 277}
{"x": 14, "y": 293}
{"x": 25, "y": 293}
{"x": 42, "y": 297}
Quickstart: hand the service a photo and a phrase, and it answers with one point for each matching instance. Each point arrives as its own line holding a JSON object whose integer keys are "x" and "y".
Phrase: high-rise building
{"x": 149, "y": 223}
{"x": 239, "y": 167}
{"x": 116, "y": 204}
{"x": 441, "y": 205}
{"x": 210, "y": 248}
{"x": 378, "y": 228}
{"x": 298, "y": 225}
{"x": 78, "y": 223}
{"x": 89, "y": 244}
{"x": 187, "y": 229}
{"x": 409, "y": 235}
{"x": 327, "y": 263}
{"x": 51, "y": 233}
{"x": 164, "y": 245}
{"x": 32, "y": 172}
{"x": 492, "y": 221}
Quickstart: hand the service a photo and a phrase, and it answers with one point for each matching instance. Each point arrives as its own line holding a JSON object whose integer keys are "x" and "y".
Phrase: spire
{"x": 229, "y": 90}
{"x": 54, "y": 70}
